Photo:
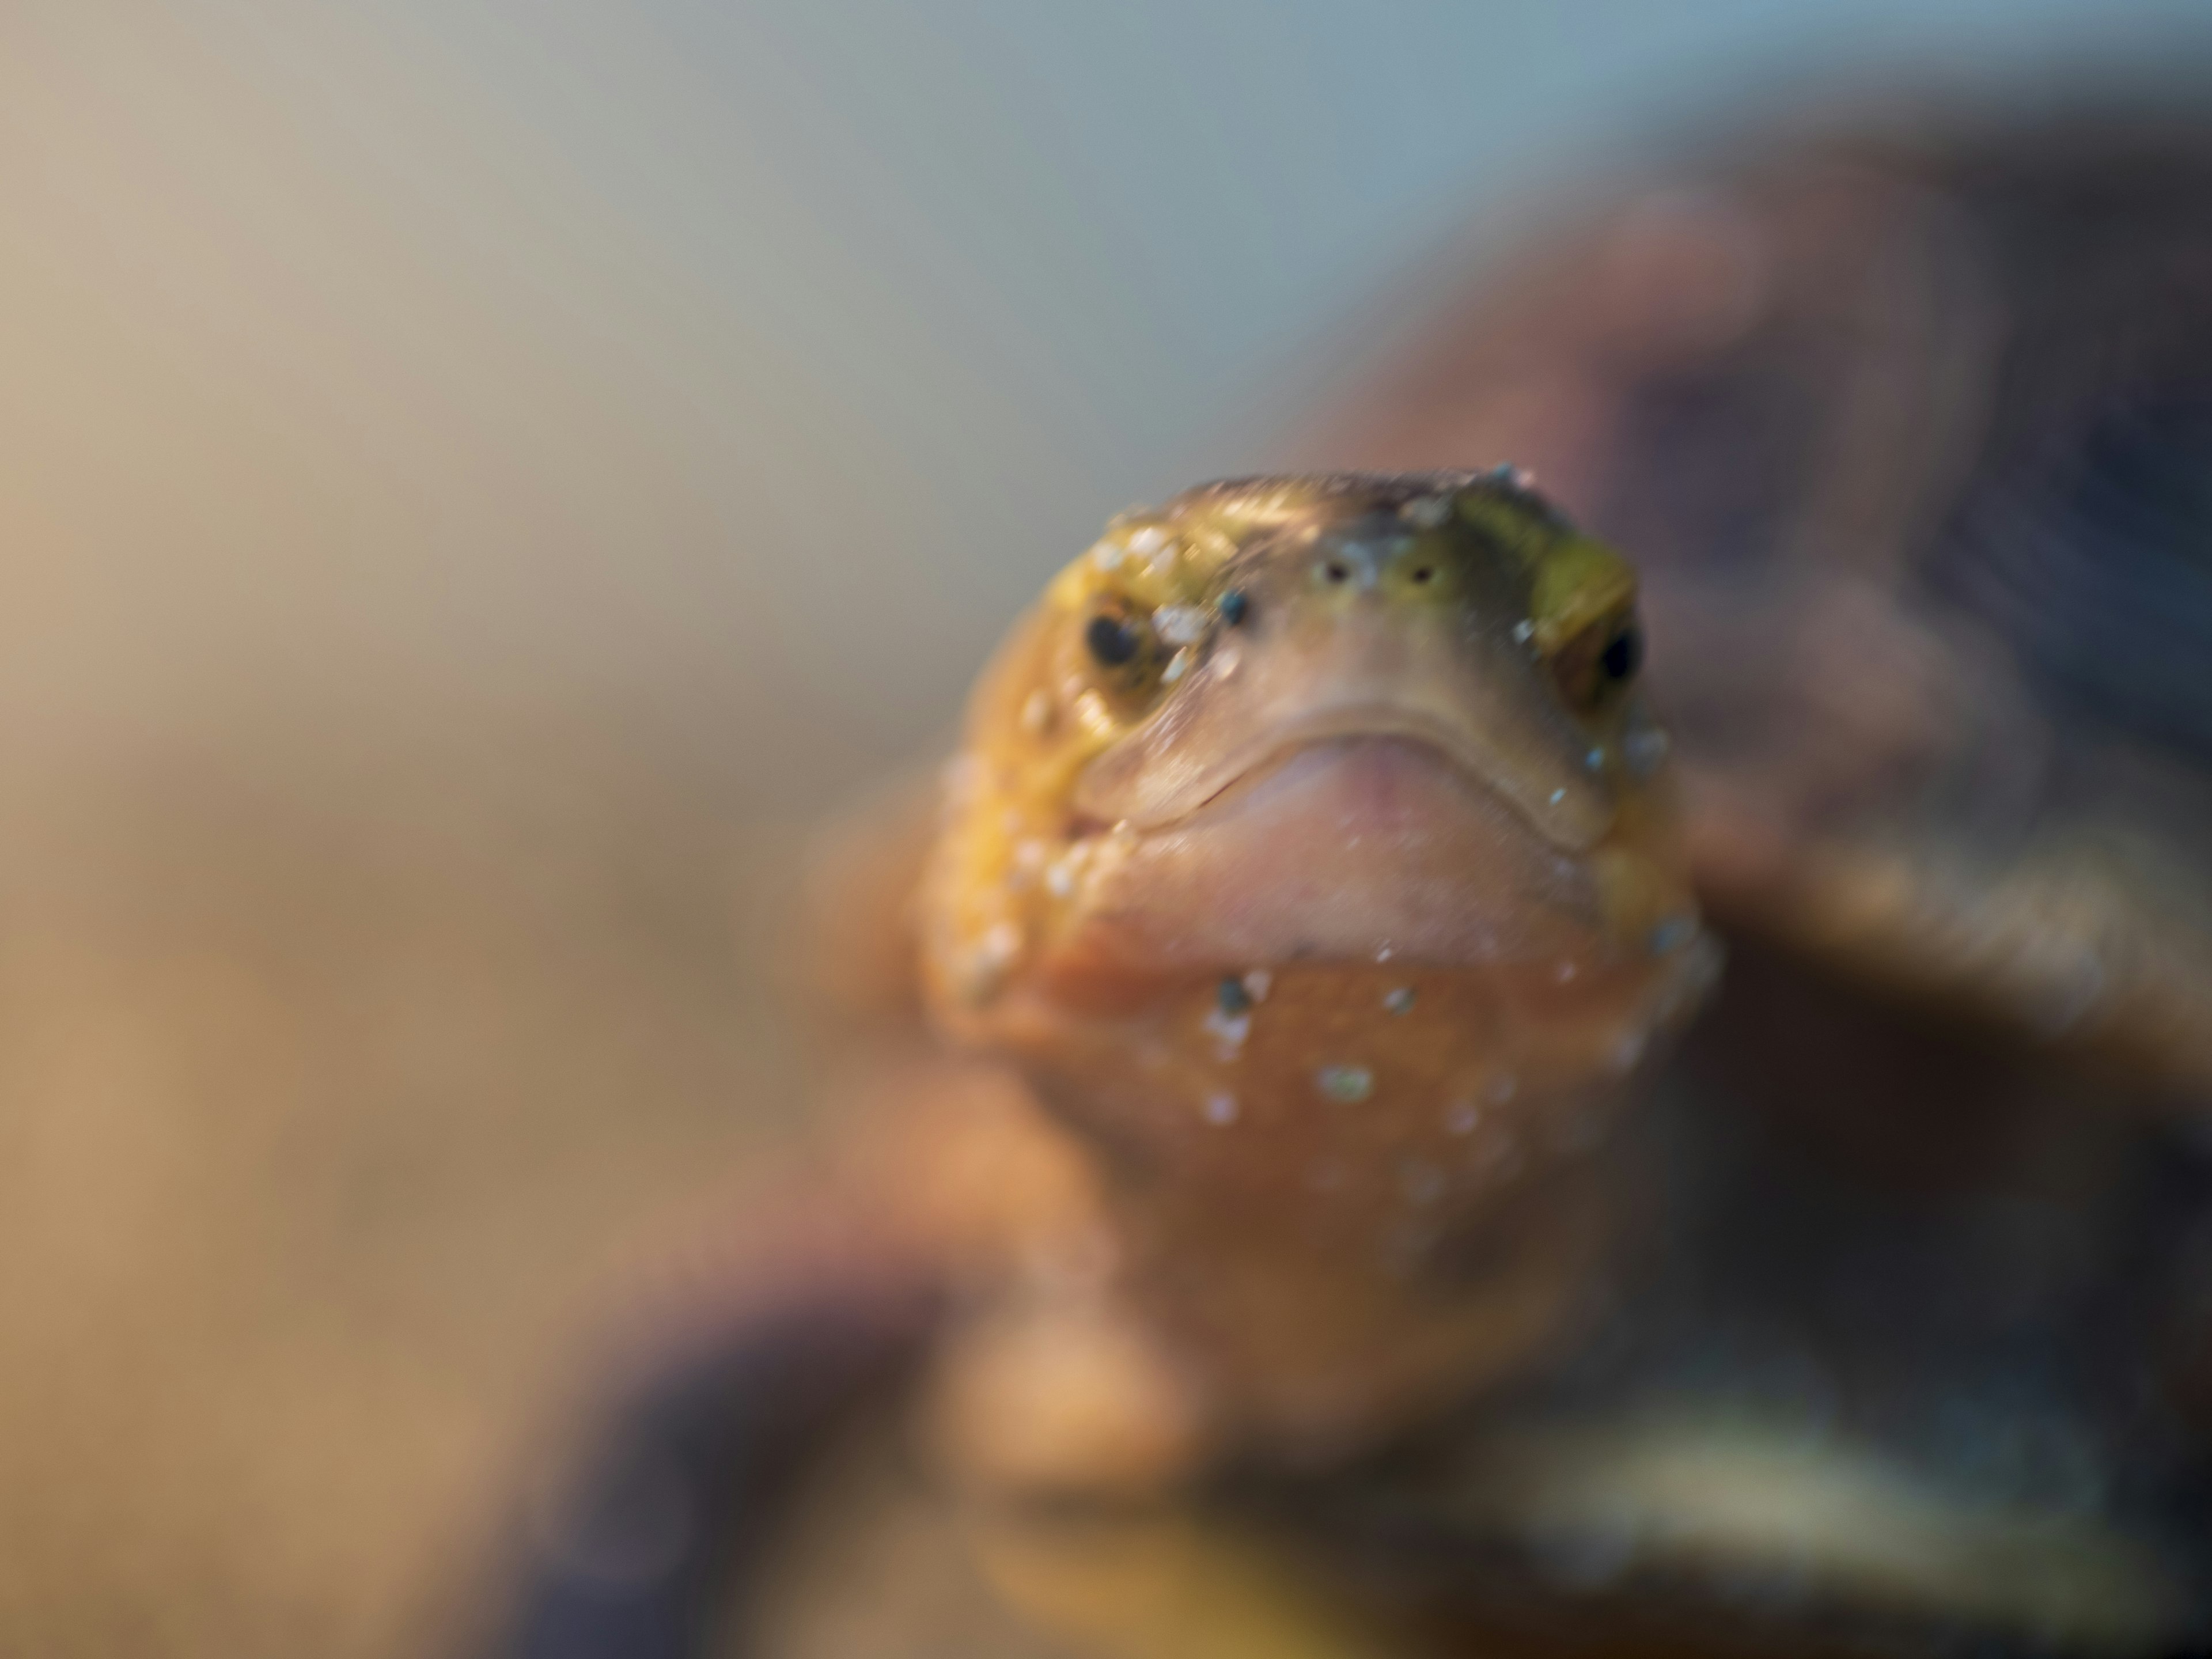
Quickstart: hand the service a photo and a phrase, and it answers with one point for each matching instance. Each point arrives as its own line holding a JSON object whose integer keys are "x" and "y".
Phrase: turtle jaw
{"x": 1205, "y": 791}
{"x": 1346, "y": 848}
{"x": 1363, "y": 841}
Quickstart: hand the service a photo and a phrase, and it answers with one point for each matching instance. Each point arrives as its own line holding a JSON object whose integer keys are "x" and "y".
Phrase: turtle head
{"x": 1313, "y": 856}
{"x": 1313, "y": 720}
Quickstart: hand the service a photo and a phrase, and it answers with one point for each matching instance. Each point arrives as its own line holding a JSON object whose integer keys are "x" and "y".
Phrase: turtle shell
{"x": 1908, "y": 425}
{"x": 1910, "y": 428}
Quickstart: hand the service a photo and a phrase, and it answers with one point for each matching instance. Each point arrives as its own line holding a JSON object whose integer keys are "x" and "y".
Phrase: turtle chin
{"x": 1350, "y": 848}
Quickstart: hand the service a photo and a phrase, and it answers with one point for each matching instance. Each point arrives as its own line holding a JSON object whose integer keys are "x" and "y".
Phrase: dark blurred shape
{"x": 672, "y": 1515}
{"x": 1906, "y": 423}
{"x": 1907, "y": 426}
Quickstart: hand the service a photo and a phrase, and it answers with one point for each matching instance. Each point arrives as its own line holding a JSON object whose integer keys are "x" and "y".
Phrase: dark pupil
{"x": 1112, "y": 641}
{"x": 1621, "y": 658}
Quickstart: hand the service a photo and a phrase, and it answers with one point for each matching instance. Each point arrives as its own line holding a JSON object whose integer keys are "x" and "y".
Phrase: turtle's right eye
{"x": 1112, "y": 641}
{"x": 1121, "y": 651}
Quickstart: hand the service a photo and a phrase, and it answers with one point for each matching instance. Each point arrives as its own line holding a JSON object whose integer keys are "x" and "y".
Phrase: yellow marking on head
{"x": 1574, "y": 582}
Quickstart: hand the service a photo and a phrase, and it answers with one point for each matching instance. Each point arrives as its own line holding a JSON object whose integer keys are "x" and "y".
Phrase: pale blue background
{"x": 724, "y": 364}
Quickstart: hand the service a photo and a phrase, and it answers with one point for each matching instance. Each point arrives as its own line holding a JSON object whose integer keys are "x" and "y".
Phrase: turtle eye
{"x": 1130, "y": 652}
{"x": 1127, "y": 658}
{"x": 1622, "y": 655}
{"x": 1593, "y": 666}
{"x": 1112, "y": 641}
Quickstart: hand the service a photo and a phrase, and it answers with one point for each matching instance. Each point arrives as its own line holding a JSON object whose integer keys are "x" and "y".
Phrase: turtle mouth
{"x": 1302, "y": 745}
{"x": 1352, "y": 792}
{"x": 1194, "y": 768}
{"x": 1336, "y": 838}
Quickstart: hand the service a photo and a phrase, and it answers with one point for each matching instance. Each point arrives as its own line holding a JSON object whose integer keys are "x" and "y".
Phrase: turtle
{"x": 1607, "y": 1053}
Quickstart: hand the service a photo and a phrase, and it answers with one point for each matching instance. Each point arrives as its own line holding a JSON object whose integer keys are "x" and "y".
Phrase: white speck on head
{"x": 1385, "y": 953}
{"x": 1179, "y": 624}
{"x": 1106, "y": 555}
{"x": 1229, "y": 1031}
{"x": 1523, "y": 632}
{"x": 1178, "y": 664}
{"x": 1502, "y": 1087}
{"x": 1672, "y": 934}
{"x": 1091, "y": 709}
{"x": 1036, "y": 713}
{"x": 1029, "y": 859}
{"x": 1147, "y": 541}
{"x": 1220, "y": 1109}
{"x": 1460, "y": 1117}
{"x": 1257, "y": 983}
{"x": 1399, "y": 1001}
{"x": 1427, "y": 512}
{"x": 1347, "y": 1084}
{"x": 989, "y": 960}
{"x": 1595, "y": 760}
{"x": 1060, "y": 878}
{"x": 1565, "y": 971}
{"x": 1557, "y": 795}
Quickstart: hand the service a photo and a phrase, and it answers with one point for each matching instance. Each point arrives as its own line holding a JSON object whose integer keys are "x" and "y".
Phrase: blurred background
{"x": 476, "y": 481}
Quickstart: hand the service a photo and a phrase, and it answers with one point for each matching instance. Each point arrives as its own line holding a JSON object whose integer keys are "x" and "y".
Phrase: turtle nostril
{"x": 1337, "y": 571}
{"x": 1424, "y": 574}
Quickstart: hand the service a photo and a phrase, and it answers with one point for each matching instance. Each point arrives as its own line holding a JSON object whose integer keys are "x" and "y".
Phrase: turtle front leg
{"x": 682, "y": 1495}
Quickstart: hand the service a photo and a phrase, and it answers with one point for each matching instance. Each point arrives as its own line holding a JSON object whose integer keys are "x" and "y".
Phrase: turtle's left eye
{"x": 1592, "y": 667}
{"x": 1623, "y": 654}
